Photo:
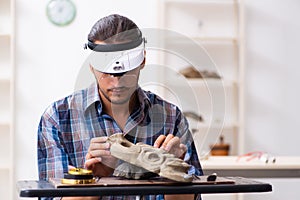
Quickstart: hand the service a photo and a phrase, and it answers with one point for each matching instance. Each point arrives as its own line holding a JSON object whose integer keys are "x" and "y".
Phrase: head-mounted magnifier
{"x": 118, "y": 54}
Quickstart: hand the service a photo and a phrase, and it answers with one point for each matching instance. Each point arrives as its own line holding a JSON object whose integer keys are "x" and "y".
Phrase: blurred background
{"x": 252, "y": 48}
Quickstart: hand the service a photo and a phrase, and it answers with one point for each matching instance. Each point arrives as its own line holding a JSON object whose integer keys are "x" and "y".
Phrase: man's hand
{"x": 171, "y": 144}
{"x": 98, "y": 159}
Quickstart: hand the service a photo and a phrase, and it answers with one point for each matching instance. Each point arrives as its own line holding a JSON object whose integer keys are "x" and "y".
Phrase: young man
{"x": 73, "y": 131}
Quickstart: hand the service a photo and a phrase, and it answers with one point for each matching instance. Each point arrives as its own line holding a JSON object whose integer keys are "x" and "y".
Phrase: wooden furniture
{"x": 46, "y": 189}
{"x": 6, "y": 98}
{"x": 216, "y": 27}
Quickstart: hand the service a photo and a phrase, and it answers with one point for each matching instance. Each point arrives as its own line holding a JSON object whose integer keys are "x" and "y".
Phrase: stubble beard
{"x": 120, "y": 100}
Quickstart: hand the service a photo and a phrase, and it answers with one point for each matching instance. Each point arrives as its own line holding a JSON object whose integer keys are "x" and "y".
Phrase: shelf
{"x": 220, "y": 40}
{"x": 4, "y": 167}
{"x": 198, "y": 82}
{"x": 5, "y": 17}
{"x": 226, "y": 125}
{"x": 207, "y": 135}
{"x": 5, "y": 101}
{"x": 200, "y": 126}
{"x": 4, "y": 119}
{"x": 4, "y": 123}
{"x": 201, "y": 22}
{"x": 5, "y": 58}
{"x": 216, "y": 41}
{"x": 5, "y": 147}
{"x": 181, "y": 39}
{"x": 208, "y": 35}
{"x": 203, "y": 2}
{"x": 4, "y": 77}
{"x": 212, "y": 55}
{"x": 5, "y": 35}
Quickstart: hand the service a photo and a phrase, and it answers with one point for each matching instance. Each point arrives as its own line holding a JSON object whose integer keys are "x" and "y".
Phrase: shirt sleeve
{"x": 186, "y": 137}
{"x": 52, "y": 158}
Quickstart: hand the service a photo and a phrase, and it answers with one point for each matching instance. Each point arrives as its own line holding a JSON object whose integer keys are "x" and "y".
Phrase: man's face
{"x": 119, "y": 88}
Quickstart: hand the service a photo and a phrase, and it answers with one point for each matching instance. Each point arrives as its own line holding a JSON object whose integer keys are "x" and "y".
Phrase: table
{"x": 284, "y": 167}
{"x": 33, "y": 188}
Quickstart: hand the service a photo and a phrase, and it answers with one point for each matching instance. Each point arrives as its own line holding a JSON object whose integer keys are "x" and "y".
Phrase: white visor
{"x": 118, "y": 61}
{"x": 115, "y": 57}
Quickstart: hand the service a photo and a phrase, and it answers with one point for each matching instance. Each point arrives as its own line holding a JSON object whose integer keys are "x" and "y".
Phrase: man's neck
{"x": 119, "y": 112}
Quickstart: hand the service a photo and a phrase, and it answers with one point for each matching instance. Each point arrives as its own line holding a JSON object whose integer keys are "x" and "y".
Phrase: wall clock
{"x": 61, "y": 12}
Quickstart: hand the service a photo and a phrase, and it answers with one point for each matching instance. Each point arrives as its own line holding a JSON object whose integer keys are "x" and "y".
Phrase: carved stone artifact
{"x": 129, "y": 171}
{"x": 153, "y": 159}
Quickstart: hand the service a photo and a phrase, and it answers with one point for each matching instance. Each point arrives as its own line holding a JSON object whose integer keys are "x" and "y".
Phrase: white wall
{"x": 272, "y": 76}
{"x": 48, "y": 59}
{"x": 272, "y": 82}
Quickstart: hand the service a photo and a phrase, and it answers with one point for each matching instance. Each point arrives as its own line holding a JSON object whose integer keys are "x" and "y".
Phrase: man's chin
{"x": 118, "y": 101}
{"x": 117, "y": 97}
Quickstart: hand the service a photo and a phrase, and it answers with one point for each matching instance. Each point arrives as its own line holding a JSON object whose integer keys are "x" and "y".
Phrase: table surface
{"x": 283, "y": 167}
{"x": 247, "y": 162}
{"x": 33, "y": 188}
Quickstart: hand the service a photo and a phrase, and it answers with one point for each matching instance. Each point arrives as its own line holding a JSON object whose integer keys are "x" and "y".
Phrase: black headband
{"x": 114, "y": 47}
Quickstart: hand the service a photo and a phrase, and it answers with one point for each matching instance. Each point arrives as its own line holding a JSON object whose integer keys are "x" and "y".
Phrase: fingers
{"x": 97, "y": 154}
{"x": 89, "y": 163}
{"x": 99, "y": 139}
{"x": 183, "y": 148}
{"x": 162, "y": 141}
{"x": 71, "y": 167}
{"x": 166, "y": 142}
{"x": 98, "y": 143}
{"x": 171, "y": 142}
{"x": 98, "y": 147}
{"x": 176, "y": 148}
{"x": 159, "y": 141}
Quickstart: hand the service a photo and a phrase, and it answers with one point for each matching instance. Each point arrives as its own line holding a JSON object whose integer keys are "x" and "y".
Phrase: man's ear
{"x": 144, "y": 61}
{"x": 143, "y": 64}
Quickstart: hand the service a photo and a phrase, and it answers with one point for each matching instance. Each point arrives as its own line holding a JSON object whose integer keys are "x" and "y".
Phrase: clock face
{"x": 61, "y": 12}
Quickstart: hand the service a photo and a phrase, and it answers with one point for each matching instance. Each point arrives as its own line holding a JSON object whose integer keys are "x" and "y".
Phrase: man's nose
{"x": 115, "y": 80}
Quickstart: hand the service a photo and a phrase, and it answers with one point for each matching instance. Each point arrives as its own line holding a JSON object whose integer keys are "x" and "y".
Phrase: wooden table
{"x": 33, "y": 188}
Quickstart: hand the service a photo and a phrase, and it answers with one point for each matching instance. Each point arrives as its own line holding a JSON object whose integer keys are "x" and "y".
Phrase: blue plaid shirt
{"x": 67, "y": 126}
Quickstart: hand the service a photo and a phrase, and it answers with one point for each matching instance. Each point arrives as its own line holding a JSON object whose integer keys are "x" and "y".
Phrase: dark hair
{"x": 108, "y": 29}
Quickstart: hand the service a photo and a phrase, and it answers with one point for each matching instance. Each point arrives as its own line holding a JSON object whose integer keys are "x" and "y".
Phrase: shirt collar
{"x": 92, "y": 96}
{"x": 143, "y": 98}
